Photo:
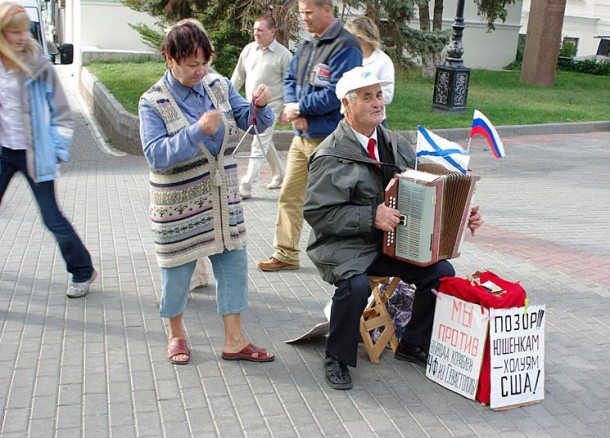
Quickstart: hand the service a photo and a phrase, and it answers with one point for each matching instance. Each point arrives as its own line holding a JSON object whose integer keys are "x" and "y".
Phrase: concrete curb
{"x": 123, "y": 128}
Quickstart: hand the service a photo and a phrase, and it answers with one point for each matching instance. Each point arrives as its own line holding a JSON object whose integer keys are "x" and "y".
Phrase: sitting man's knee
{"x": 445, "y": 269}
{"x": 360, "y": 288}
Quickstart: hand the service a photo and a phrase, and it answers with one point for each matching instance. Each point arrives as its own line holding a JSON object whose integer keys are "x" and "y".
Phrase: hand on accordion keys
{"x": 475, "y": 220}
{"x": 386, "y": 218}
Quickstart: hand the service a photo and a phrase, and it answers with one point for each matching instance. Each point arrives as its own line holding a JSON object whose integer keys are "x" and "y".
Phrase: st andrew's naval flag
{"x": 482, "y": 125}
{"x": 441, "y": 151}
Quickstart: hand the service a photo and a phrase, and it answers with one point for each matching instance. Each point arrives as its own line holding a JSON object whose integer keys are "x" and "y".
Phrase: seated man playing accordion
{"x": 344, "y": 205}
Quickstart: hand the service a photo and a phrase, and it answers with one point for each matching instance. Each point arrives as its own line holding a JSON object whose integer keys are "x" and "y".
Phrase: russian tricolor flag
{"x": 482, "y": 125}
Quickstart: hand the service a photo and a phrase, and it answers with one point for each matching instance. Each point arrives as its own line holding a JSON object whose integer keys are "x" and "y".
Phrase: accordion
{"x": 435, "y": 205}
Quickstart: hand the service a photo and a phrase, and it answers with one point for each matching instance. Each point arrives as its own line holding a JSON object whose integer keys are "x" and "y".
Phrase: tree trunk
{"x": 429, "y": 62}
{"x": 437, "y": 22}
{"x": 424, "y": 14}
{"x": 542, "y": 42}
{"x": 282, "y": 37}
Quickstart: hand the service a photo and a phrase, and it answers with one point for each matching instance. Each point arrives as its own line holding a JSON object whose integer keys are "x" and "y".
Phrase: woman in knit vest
{"x": 189, "y": 124}
{"x": 36, "y": 128}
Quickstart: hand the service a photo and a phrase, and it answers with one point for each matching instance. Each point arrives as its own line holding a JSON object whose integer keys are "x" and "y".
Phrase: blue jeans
{"x": 76, "y": 256}
{"x": 231, "y": 274}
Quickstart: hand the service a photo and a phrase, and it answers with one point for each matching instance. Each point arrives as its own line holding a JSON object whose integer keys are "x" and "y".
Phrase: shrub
{"x": 565, "y": 63}
{"x": 589, "y": 66}
{"x": 567, "y": 50}
{"x": 515, "y": 65}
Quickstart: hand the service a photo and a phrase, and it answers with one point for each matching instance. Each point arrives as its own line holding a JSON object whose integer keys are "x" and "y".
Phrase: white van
{"x": 64, "y": 53}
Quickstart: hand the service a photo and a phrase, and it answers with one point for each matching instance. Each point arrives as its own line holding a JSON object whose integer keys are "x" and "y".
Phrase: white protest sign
{"x": 516, "y": 340}
{"x": 457, "y": 343}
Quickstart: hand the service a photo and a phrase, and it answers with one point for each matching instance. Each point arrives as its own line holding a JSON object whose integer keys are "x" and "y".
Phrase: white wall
{"x": 105, "y": 24}
{"x": 583, "y": 19}
{"x": 488, "y": 50}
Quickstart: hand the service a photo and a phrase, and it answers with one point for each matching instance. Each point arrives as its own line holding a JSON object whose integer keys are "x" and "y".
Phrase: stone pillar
{"x": 542, "y": 42}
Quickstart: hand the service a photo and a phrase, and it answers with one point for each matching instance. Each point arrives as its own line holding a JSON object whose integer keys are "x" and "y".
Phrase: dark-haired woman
{"x": 189, "y": 124}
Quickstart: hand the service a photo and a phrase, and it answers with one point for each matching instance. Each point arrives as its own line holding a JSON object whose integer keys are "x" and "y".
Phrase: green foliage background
{"x": 228, "y": 23}
{"x": 500, "y": 95}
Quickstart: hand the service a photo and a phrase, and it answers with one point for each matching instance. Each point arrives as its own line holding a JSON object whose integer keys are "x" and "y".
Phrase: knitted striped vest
{"x": 195, "y": 207}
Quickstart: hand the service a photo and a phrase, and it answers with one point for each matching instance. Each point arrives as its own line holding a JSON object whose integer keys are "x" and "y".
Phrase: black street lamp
{"x": 451, "y": 82}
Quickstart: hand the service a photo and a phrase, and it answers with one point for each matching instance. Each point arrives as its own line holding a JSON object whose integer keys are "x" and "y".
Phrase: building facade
{"x": 104, "y": 25}
{"x": 483, "y": 49}
{"x": 586, "y": 25}
{"x": 100, "y": 25}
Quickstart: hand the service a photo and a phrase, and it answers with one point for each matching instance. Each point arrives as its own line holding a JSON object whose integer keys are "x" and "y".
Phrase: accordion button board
{"x": 434, "y": 206}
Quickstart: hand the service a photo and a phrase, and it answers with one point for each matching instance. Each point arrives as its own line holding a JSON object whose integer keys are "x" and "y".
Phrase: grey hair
{"x": 351, "y": 97}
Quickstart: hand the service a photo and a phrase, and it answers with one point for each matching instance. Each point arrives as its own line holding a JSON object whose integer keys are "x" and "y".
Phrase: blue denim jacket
{"x": 336, "y": 50}
{"x": 162, "y": 151}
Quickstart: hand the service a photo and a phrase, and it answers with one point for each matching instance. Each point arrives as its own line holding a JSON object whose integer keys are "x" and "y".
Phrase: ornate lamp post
{"x": 451, "y": 82}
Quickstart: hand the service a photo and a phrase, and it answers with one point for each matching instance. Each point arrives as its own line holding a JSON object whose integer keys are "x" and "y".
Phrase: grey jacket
{"x": 341, "y": 203}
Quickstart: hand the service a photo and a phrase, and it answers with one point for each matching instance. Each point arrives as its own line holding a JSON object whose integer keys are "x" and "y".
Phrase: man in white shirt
{"x": 263, "y": 61}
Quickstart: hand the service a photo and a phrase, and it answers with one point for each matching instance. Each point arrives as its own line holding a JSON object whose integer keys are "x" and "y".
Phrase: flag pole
{"x": 470, "y": 135}
{"x": 417, "y": 147}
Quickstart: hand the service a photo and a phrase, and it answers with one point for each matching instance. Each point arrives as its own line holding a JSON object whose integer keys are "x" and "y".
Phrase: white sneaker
{"x": 275, "y": 183}
{"x": 77, "y": 290}
{"x": 244, "y": 192}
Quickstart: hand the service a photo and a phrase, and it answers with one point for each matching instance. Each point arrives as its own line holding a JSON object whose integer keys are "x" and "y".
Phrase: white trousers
{"x": 201, "y": 276}
{"x": 255, "y": 164}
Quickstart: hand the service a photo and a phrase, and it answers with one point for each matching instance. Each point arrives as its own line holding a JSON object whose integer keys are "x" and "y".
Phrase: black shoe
{"x": 337, "y": 374}
{"x": 411, "y": 353}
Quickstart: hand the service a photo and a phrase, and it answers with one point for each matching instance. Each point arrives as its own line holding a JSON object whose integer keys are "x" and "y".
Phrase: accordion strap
{"x": 347, "y": 155}
{"x": 334, "y": 152}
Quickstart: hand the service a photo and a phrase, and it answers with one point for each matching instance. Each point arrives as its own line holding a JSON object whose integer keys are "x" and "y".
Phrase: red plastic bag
{"x": 471, "y": 290}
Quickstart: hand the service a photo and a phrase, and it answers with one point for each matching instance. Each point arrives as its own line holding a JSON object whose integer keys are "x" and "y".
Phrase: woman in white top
{"x": 374, "y": 58}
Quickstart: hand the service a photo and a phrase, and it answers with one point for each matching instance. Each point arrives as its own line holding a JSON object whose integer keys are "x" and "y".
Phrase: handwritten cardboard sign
{"x": 516, "y": 340}
{"x": 457, "y": 343}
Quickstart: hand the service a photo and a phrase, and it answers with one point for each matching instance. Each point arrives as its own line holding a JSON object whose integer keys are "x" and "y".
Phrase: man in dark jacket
{"x": 313, "y": 109}
{"x": 344, "y": 205}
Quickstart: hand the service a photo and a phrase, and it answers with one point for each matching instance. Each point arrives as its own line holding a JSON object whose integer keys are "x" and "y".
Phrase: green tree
{"x": 228, "y": 23}
{"x": 493, "y": 10}
{"x": 284, "y": 12}
{"x": 403, "y": 42}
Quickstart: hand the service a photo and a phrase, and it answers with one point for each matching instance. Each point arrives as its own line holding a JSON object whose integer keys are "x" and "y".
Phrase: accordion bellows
{"x": 435, "y": 205}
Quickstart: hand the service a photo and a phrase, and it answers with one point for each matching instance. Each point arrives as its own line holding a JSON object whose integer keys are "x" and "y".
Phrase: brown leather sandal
{"x": 250, "y": 352}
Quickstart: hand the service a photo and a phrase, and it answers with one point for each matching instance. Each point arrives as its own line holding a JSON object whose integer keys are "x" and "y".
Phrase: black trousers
{"x": 351, "y": 296}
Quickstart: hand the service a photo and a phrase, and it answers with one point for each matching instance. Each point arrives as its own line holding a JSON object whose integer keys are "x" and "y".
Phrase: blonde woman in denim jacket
{"x": 36, "y": 128}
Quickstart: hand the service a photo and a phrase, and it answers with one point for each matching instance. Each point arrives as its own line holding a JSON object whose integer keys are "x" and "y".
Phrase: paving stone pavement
{"x": 95, "y": 366}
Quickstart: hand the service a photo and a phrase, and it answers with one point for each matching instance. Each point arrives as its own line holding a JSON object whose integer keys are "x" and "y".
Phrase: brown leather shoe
{"x": 274, "y": 264}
